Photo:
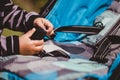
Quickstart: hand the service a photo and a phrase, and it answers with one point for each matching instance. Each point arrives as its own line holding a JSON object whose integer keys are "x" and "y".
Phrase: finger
{"x": 49, "y": 31}
{"x": 39, "y": 48}
{"x": 49, "y": 26}
{"x": 52, "y": 32}
{"x": 30, "y": 32}
{"x": 38, "y": 42}
{"x": 40, "y": 23}
{"x": 45, "y": 24}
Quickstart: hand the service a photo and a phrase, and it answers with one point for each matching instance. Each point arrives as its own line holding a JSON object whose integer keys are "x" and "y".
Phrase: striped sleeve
{"x": 15, "y": 18}
{"x": 9, "y": 45}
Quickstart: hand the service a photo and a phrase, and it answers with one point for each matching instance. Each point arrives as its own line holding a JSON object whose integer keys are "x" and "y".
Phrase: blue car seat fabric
{"x": 7, "y": 75}
{"x": 109, "y": 75}
{"x": 82, "y": 12}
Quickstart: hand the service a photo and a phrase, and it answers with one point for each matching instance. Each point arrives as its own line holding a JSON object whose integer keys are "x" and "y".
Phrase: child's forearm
{"x": 15, "y": 18}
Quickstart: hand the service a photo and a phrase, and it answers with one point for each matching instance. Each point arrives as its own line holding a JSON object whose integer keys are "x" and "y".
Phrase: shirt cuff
{"x": 12, "y": 45}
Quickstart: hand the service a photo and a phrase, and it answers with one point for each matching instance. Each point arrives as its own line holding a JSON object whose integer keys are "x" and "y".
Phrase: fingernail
{"x": 34, "y": 29}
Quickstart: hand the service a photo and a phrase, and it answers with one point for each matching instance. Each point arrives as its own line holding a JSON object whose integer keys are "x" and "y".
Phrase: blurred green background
{"x": 29, "y": 5}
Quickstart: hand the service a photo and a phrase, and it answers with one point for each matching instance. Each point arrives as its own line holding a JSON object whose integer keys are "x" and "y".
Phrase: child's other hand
{"x": 45, "y": 24}
{"x": 28, "y": 46}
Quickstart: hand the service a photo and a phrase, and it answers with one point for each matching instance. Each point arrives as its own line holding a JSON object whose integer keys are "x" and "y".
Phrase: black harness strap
{"x": 114, "y": 39}
{"x": 79, "y": 29}
{"x": 103, "y": 49}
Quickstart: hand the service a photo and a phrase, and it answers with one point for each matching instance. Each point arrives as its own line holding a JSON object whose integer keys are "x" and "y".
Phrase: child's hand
{"x": 45, "y": 24}
{"x": 28, "y": 46}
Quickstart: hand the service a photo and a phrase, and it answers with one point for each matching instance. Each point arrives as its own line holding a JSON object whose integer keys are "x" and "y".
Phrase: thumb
{"x": 30, "y": 32}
